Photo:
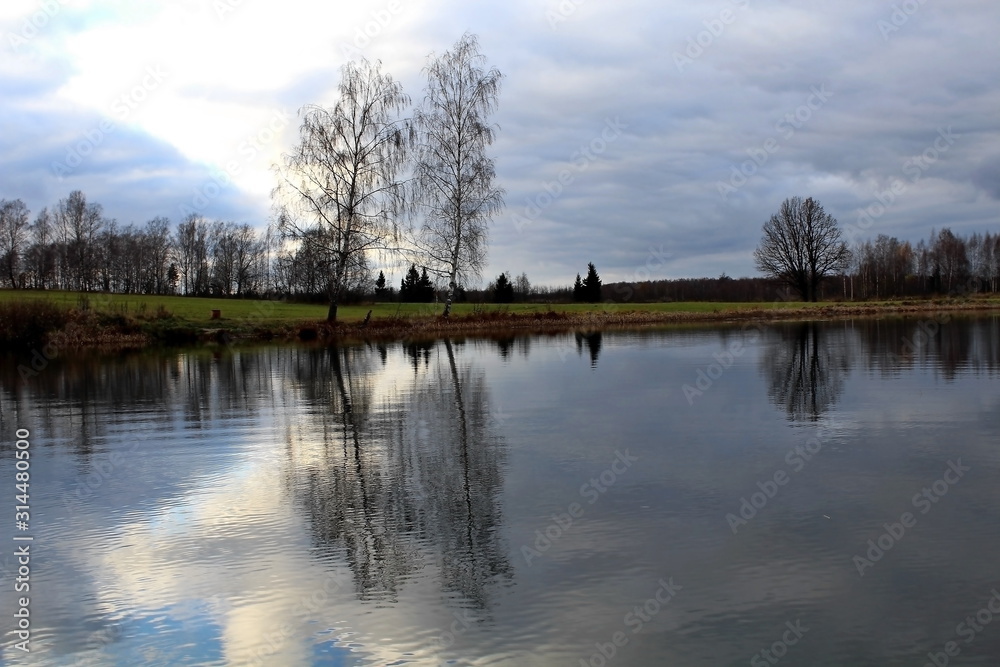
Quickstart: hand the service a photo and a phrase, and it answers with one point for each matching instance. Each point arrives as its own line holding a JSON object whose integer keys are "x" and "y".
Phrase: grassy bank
{"x": 198, "y": 310}
{"x": 71, "y": 319}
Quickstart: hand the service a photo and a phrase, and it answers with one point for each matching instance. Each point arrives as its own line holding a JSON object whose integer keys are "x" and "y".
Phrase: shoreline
{"x": 84, "y": 332}
{"x": 515, "y": 323}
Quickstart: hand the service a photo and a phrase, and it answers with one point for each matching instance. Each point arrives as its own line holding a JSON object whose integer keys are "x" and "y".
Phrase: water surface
{"x": 677, "y": 497}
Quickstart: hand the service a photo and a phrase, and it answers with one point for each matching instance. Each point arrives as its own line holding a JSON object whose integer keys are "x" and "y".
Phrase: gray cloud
{"x": 739, "y": 108}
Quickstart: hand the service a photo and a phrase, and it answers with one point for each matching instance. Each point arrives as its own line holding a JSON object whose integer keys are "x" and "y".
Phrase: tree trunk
{"x": 334, "y": 286}
{"x": 331, "y": 314}
{"x": 452, "y": 277}
{"x": 451, "y": 295}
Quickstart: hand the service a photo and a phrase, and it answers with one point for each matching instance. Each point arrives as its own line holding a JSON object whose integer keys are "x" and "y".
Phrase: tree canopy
{"x": 338, "y": 189}
{"x": 416, "y": 287}
{"x": 801, "y": 246}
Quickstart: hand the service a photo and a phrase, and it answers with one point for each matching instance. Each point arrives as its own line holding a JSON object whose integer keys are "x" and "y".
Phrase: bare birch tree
{"x": 338, "y": 190}
{"x": 453, "y": 174}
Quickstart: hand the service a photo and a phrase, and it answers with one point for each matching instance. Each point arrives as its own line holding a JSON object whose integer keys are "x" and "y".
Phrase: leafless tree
{"x": 223, "y": 252}
{"x": 454, "y": 174}
{"x": 991, "y": 261}
{"x": 950, "y": 258}
{"x": 159, "y": 243}
{"x": 522, "y": 287}
{"x": 882, "y": 266}
{"x": 303, "y": 270}
{"x": 802, "y": 245}
{"x": 41, "y": 255}
{"x": 113, "y": 257}
{"x": 342, "y": 175}
{"x": 191, "y": 249}
{"x": 78, "y": 224}
{"x": 249, "y": 251}
{"x": 13, "y": 236}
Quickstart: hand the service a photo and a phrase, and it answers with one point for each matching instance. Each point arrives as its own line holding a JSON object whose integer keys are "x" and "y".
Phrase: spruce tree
{"x": 503, "y": 291}
{"x": 425, "y": 288}
{"x": 409, "y": 288}
{"x": 592, "y": 285}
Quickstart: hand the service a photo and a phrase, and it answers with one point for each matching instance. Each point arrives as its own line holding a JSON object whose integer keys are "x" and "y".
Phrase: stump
{"x": 216, "y": 314}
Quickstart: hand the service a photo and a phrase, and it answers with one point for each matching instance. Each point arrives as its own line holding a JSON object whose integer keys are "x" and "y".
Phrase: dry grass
{"x": 26, "y": 324}
{"x": 501, "y": 323}
{"x": 89, "y": 329}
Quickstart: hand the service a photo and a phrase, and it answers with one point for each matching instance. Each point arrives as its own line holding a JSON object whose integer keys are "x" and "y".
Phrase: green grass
{"x": 193, "y": 310}
{"x": 197, "y": 312}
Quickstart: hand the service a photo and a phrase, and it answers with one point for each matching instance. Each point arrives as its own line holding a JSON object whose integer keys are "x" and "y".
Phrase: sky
{"x": 653, "y": 139}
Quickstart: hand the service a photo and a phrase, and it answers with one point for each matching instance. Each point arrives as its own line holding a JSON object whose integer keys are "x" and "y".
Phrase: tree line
{"x": 75, "y": 246}
{"x": 941, "y": 264}
{"x": 803, "y": 247}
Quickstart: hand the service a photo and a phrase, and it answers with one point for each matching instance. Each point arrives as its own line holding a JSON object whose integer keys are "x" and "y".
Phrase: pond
{"x": 803, "y": 493}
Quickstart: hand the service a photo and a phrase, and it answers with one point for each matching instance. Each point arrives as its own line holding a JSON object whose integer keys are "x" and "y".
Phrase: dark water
{"x": 694, "y": 497}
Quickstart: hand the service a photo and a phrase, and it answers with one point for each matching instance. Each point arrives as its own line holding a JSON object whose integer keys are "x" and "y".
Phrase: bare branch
{"x": 454, "y": 175}
{"x": 801, "y": 246}
{"x": 338, "y": 190}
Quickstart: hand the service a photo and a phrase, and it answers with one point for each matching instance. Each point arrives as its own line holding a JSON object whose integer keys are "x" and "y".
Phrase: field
{"x": 198, "y": 311}
{"x": 191, "y": 310}
{"x": 27, "y": 318}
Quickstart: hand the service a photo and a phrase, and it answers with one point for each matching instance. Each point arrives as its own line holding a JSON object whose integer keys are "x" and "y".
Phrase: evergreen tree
{"x": 425, "y": 288}
{"x": 503, "y": 291}
{"x": 578, "y": 289}
{"x": 591, "y": 288}
{"x": 409, "y": 288}
{"x": 380, "y": 290}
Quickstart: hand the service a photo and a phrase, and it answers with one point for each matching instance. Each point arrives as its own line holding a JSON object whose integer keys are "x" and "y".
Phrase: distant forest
{"x": 75, "y": 246}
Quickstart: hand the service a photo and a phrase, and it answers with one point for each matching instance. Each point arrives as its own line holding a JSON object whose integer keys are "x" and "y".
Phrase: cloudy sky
{"x": 676, "y": 128}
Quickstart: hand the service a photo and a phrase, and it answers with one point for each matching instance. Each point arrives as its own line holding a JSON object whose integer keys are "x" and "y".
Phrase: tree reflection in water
{"x": 593, "y": 341}
{"x": 410, "y": 475}
{"x": 805, "y": 365}
{"x": 943, "y": 341}
{"x": 506, "y": 345}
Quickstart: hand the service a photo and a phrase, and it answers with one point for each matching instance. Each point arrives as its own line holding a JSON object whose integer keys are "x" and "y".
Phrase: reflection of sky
{"x": 194, "y": 548}
{"x": 195, "y": 639}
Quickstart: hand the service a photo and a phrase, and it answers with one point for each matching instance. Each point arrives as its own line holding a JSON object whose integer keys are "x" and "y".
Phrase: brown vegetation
{"x": 617, "y": 317}
{"x": 31, "y": 324}
{"x": 26, "y": 323}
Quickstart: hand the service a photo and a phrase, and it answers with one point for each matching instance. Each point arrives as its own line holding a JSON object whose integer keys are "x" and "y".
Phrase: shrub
{"x": 24, "y": 324}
